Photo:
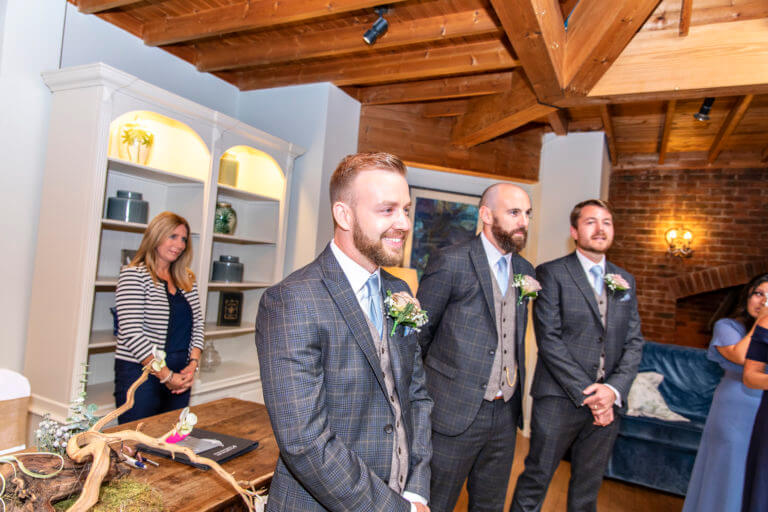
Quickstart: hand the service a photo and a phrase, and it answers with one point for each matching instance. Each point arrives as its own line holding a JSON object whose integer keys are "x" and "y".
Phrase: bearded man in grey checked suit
{"x": 345, "y": 395}
{"x": 590, "y": 344}
{"x": 475, "y": 353}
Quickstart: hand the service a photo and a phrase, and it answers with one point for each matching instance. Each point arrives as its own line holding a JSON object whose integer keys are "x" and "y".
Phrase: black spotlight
{"x": 379, "y": 27}
{"x": 703, "y": 113}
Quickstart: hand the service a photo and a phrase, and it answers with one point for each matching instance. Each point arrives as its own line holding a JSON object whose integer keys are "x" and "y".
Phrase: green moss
{"x": 124, "y": 495}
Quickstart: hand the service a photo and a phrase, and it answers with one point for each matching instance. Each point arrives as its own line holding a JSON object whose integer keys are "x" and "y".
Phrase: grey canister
{"x": 128, "y": 207}
{"x": 227, "y": 269}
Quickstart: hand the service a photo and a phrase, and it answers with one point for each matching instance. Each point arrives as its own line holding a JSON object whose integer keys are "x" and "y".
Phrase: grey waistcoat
{"x": 602, "y": 306}
{"x": 504, "y": 369}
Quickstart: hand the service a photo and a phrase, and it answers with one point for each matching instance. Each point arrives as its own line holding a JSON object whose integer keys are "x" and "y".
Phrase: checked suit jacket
{"x": 460, "y": 339}
{"x": 327, "y": 402}
{"x": 571, "y": 337}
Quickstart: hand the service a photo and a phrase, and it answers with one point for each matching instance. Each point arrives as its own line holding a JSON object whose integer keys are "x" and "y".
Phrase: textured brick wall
{"x": 727, "y": 211}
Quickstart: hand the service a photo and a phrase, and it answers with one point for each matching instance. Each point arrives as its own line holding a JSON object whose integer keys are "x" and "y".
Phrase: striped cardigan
{"x": 143, "y": 315}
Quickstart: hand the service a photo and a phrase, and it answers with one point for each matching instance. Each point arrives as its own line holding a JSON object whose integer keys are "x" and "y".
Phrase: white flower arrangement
{"x": 616, "y": 283}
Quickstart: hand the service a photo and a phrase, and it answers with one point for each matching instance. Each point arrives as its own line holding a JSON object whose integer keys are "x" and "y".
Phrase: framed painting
{"x": 438, "y": 219}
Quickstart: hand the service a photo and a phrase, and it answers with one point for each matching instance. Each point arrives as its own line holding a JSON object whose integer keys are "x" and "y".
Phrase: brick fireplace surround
{"x": 727, "y": 212}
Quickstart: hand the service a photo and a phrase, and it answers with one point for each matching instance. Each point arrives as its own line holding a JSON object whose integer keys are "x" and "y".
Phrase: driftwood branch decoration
{"x": 94, "y": 444}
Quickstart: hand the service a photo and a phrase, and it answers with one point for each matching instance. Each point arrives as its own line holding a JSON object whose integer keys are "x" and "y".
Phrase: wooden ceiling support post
{"x": 436, "y": 89}
{"x": 609, "y": 135}
{"x": 730, "y": 124}
{"x": 686, "y": 11}
{"x": 558, "y": 120}
{"x": 668, "y": 116}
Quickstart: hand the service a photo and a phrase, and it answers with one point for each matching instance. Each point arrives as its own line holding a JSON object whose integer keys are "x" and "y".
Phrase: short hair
{"x": 158, "y": 230}
{"x": 352, "y": 165}
{"x": 576, "y": 212}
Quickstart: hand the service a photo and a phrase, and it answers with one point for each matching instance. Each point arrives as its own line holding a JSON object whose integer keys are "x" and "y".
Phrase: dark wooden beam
{"x": 668, "y": 116}
{"x": 558, "y": 120}
{"x": 474, "y": 57}
{"x": 488, "y": 117}
{"x": 730, "y": 124}
{"x": 344, "y": 40}
{"x": 686, "y": 10}
{"x": 437, "y": 89}
{"x": 94, "y": 6}
{"x": 764, "y": 154}
{"x": 609, "y": 135}
{"x": 447, "y": 108}
{"x": 535, "y": 29}
{"x": 245, "y": 15}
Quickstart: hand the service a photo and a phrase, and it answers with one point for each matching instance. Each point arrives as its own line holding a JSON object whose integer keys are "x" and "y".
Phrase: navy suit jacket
{"x": 571, "y": 337}
{"x": 327, "y": 402}
{"x": 460, "y": 339}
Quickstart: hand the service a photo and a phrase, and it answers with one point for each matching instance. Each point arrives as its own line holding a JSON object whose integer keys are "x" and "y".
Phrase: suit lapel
{"x": 346, "y": 300}
{"x": 396, "y": 339}
{"x": 577, "y": 274}
{"x": 520, "y": 311}
{"x": 483, "y": 271}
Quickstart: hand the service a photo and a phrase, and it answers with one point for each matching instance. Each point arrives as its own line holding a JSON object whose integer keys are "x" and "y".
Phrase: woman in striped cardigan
{"x": 158, "y": 307}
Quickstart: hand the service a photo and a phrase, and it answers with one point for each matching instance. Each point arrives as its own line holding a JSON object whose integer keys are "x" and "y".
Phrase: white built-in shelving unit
{"x": 79, "y": 250}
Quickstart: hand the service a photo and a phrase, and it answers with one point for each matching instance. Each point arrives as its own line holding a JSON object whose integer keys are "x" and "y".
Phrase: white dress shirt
{"x": 493, "y": 255}
{"x": 357, "y": 277}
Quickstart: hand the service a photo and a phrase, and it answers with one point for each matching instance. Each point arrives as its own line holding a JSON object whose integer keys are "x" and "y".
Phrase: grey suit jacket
{"x": 325, "y": 393}
{"x": 459, "y": 340}
{"x": 571, "y": 337}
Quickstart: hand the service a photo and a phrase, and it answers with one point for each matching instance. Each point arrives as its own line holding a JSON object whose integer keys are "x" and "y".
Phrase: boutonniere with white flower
{"x": 616, "y": 283}
{"x": 187, "y": 422}
{"x": 529, "y": 287}
{"x": 405, "y": 310}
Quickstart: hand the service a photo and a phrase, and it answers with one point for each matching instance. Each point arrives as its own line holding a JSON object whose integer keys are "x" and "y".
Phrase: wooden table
{"x": 185, "y": 488}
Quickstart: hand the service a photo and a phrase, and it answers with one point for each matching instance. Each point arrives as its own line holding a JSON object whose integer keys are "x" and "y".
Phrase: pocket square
{"x": 407, "y": 331}
{"x": 625, "y": 297}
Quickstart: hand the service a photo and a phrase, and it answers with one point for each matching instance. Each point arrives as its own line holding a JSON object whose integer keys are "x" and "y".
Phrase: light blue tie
{"x": 374, "y": 302}
{"x": 597, "y": 275}
{"x": 502, "y": 274}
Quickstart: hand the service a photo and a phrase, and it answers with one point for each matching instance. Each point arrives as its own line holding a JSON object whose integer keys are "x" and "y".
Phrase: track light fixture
{"x": 378, "y": 28}
{"x": 703, "y": 113}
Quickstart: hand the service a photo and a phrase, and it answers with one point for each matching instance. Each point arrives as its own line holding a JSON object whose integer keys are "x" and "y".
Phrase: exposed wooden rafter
{"x": 558, "y": 120}
{"x": 437, "y": 89}
{"x": 668, "y": 116}
{"x": 605, "y": 115}
{"x": 764, "y": 154}
{"x": 729, "y": 125}
{"x": 488, "y": 117}
{"x": 245, "y": 15}
{"x": 686, "y": 11}
{"x": 669, "y": 13}
{"x": 448, "y": 108}
{"x": 343, "y": 40}
{"x": 406, "y": 65}
{"x": 94, "y": 6}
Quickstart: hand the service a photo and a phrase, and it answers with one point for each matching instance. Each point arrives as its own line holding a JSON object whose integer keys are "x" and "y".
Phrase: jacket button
{"x": 388, "y": 428}
{"x": 483, "y": 386}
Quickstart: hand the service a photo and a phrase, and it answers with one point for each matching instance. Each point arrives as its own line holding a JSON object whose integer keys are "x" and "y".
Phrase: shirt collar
{"x": 356, "y": 275}
{"x": 492, "y": 253}
{"x": 587, "y": 263}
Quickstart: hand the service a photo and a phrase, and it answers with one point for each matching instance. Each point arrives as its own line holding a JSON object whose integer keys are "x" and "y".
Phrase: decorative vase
{"x": 227, "y": 269}
{"x": 135, "y": 143}
{"x": 210, "y": 359}
{"x": 128, "y": 206}
{"x": 228, "y": 167}
{"x": 225, "y": 219}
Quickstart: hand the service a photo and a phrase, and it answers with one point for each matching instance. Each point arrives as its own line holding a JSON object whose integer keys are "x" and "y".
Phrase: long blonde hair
{"x": 158, "y": 230}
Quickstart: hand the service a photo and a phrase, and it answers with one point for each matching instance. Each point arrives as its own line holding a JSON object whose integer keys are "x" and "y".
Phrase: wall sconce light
{"x": 679, "y": 242}
{"x": 703, "y": 113}
{"x": 378, "y": 28}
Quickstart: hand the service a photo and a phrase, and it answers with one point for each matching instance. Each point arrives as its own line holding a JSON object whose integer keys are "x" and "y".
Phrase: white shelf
{"x": 242, "y": 240}
{"x": 131, "y": 227}
{"x": 229, "y": 373}
{"x": 216, "y": 331}
{"x": 244, "y": 285}
{"x": 101, "y": 339}
{"x": 244, "y": 194}
{"x": 151, "y": 173}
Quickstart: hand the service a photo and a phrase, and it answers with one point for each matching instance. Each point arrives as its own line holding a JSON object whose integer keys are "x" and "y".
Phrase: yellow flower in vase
{"x": 135, "y": 143}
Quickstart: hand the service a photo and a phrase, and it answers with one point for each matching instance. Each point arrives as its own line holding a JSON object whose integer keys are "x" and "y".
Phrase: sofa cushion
{"x": 661, "y": 433}
{"x": 646, "y": 400}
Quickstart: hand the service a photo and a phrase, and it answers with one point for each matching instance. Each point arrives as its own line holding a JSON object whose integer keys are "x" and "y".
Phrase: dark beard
{"x": 374, "y": 249}
{"x": 506, "y": 240}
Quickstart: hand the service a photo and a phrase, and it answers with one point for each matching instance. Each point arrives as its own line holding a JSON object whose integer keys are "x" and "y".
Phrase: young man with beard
{"x": 346, "y": 396}
{"x": 590, "y": 344}
{"x": 474, "y": 348}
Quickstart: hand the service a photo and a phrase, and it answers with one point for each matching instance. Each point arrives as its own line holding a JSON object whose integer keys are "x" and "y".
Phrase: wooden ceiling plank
{"x": 448, "y": 108}
{"x": 668, "y": 116}
{"x": 406, "y": 65}
{"x": 343, "y": 40}
{"x": 537, "y": 33}
{"x": 661, "y": 61}
{"x": 94, "y": 6}
{"x": 246, "y": 15}
{"x": 438, "y": 89}
{"x": 558, "y": 120}
{"x": 605, "y": 115}
{"x": 598, "y": 32}
{"x": 686, "y": 11}
{"x": 764, "y": 154}
{"x": 730, "y": 124}
{"x": 669, "y": 18}
{"x": 491, "y": 116}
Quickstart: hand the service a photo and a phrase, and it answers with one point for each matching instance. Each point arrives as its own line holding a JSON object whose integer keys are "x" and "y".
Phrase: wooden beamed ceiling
{"x": 484, "y": 78}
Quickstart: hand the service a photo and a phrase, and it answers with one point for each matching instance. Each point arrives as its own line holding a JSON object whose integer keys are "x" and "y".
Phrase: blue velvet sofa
{"x": 657, "y": 453}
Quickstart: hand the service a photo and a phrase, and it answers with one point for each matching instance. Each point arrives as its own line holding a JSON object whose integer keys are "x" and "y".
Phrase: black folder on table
{"x": 230, "y": 448}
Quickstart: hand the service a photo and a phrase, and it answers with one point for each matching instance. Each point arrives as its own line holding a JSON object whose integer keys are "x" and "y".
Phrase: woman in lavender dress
{"x": 717, "y": 479}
